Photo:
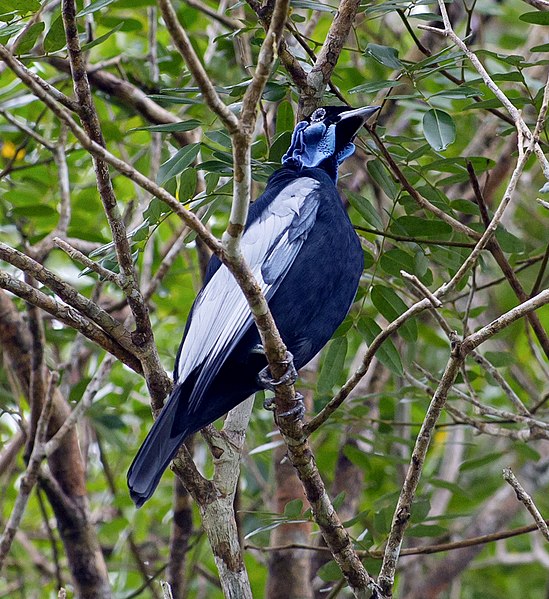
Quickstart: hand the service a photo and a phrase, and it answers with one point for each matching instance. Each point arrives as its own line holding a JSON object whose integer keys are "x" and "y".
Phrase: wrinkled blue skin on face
{"x": 313, "y": 144}
{"x": 313, "y": 295}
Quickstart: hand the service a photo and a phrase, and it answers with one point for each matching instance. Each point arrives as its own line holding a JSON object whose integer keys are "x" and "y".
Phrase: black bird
{"x": 303, "y": 251}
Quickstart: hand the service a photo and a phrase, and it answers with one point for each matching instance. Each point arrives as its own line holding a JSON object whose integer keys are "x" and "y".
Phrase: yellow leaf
{"x": 9, "y": 150}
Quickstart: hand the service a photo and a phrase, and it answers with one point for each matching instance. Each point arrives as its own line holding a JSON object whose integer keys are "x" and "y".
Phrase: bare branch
{"x": 403, "y": 509}
{"x": 68, "y": 294}
{"x": 328, "y": 56}
{"x": 183, "y": 44}
{"x": 85, "y": 402}
{"x": 69, "y": 317}
{"x": 31, "y": 473}
{"x": 242, "y": 138}
{"x": 497, "y": 325}
{"x": 528, "y": 502}
{"x": 142, "y": 336}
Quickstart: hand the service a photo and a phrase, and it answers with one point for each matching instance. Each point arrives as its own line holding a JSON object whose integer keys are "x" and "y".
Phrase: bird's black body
{"x": 305, "y": 254}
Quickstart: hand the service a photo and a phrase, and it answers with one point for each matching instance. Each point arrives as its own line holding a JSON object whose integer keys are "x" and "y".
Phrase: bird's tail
{"x": 158, "y": 449}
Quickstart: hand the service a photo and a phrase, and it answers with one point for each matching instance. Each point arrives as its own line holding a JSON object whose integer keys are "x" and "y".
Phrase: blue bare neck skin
{"x": 313, "y": 145}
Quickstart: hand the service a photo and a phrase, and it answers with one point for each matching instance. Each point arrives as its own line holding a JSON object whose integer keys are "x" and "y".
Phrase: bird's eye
{"x": 318, "y": 115}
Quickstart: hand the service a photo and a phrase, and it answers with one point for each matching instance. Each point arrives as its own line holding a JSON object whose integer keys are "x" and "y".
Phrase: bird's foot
{"x": 288, "y": 378}
{"x": 298, "y": 411}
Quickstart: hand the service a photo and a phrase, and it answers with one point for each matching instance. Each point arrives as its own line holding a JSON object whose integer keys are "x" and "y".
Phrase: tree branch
{"x": 69, "y": 317}
{"x": 142, "y": 337}
{"x": 183, "y": 44}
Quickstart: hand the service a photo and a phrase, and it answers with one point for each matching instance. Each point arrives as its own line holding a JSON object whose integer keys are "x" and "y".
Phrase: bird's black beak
{"x": 352, "y": 120}
{"x": 349, "y": 124}
{"x": 363, "y": 113}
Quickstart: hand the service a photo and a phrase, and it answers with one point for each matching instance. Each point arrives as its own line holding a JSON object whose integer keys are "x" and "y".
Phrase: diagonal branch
{"x": 320, "y": 74}
{"x": 70, "y": 317}
{"x": 183, "y": 44}
{"x": 31, "y": 474}
{"x": 68, "y": 294}
{"x": 513, "y": 111}
{"x": 142, "y": 337}
{"x": 460, "y": 350}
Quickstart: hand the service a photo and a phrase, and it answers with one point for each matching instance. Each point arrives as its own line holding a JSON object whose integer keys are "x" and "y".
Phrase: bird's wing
{"x": 269, "y": 245}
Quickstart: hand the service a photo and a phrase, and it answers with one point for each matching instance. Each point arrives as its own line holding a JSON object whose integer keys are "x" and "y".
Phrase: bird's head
{"x": 325, "y": 138}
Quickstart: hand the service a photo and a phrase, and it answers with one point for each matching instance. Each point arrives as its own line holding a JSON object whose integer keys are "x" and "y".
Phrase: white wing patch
{"x": 221, "y": 313}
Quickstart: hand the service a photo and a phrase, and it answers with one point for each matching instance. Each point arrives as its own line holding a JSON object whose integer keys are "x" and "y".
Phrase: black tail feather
{"x": 157, "y": 451}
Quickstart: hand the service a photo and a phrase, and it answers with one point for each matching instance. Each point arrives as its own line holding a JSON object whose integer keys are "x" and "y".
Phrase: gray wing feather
{"x": 221, "y": 314}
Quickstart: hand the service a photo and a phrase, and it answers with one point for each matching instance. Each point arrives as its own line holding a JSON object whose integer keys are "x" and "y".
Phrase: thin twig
{"x": 31, "y": 474}
{"x": 85, "y": 402}
{"x": 78, "y": 256}
{"x": 528, "y": 502}
{"x": 142, "y": 337}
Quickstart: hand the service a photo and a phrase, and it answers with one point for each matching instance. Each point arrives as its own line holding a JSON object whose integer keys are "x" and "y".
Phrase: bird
{"x": 306, "y": 257}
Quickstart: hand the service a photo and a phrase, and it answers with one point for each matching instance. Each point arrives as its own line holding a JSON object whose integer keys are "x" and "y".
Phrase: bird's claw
{"x": 269, "y": 404}
{"x": 298, "y": 411}
{"x": 288, "y": 378}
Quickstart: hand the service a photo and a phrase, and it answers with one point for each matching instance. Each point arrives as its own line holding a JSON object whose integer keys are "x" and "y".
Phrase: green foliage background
{"x": 429, "y": 124}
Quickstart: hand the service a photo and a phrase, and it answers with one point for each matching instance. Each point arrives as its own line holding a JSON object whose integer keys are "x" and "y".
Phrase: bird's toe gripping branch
{"x": 288, "y": 378}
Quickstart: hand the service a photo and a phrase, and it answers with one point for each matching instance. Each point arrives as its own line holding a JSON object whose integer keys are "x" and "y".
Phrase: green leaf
{"x": 177, "y": 163}
{"x": 279, "y": 146}
{"x": 394, "y": 260}
{"x": 462, "y": 91}
{"x": 101, "y": 38}
{"x": 338, "y": 500}
{"x": 21, "y": 7}
{"x": 293, "y": 509}
{"x": 391, "y": 307}
{"x": 29, "y": 40}
{"x": 128, "y": 24}
{"x": 541, "y": 48}
{"x": 413, "y": 226}
{"x": 174, "y": 99}
{"x": 510, "y": 243}
{"x": 474, "y": 463}
{"x": 215, "y": 166}
{"x": 387, "y": 354}
{"x": 439, "y": 129}
{"x": 212, "y": 179}
{"x": 141, "y": 233}
{"x": 344, "y": 327}
{"x": 316, "y": 6}
{"x": 171, "y": 127}
{"x": 385, "y": 55}
{"x": 55, "y": 38}
{"x": 366, "y": 210}
{"x": 154, "y": 211}
{"x": 284, "y": 118}
{"x": 8, "y": 30}
{"x": 375, "y": 86}
{"x": 187, "y": 184}
{"x": 329, "y": 572}
{"x": 382, "y": 177}
{"x": 420, "y": 509}
{"x": 332, "y": 365}
{"x": 537, "y": 17}
{"x": 94, "y": 7}
{"x": 34, "y": 211}
{"x": 498, "y": 358}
